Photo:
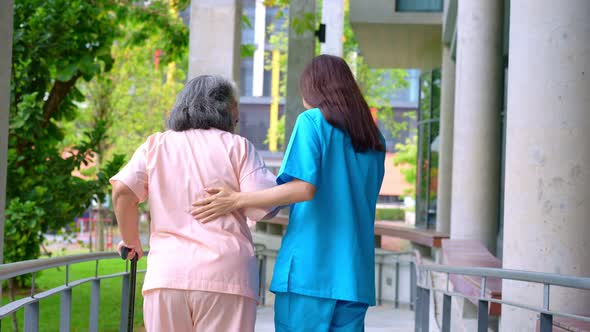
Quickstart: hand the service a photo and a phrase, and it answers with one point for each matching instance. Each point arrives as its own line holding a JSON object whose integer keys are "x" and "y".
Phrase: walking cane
{"x": 132, "y": 277}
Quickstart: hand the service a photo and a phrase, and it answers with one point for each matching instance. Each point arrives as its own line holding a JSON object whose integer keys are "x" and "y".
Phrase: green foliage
{"x": 280, "y": 133}
{"x": 406, "y": 158}
{"x": 277, "y": 3}
{"x": 139, "y": 99}
{"x": 305, "y": 23}
{"x": 279, "y": 40}
{"x": 57, "y": 42}
{"x": 25, "y": 220}
{"x": 247, "y": 50}
{"x": 394, "y": 214}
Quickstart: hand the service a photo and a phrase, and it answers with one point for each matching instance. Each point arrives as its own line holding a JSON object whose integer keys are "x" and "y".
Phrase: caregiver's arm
{"x": 223, "y": 200}
{"x": 125, "y": 203}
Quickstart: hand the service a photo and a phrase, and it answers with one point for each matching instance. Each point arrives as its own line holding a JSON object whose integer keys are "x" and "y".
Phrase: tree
{"x": 405, "y": 157}
{"x": 133, "y": 99}
{"x": 56, "y": 44}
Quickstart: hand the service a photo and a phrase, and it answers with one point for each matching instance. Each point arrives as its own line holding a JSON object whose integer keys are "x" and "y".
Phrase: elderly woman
{"x": 200, "y": 276}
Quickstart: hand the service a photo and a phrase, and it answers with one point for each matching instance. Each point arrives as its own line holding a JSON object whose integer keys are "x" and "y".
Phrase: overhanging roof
{"x": 391, "y": 39}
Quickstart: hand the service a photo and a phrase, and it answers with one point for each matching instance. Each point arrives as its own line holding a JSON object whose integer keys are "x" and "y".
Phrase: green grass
{"x": 110, "y": 297}
{"x": 394, "y": 214}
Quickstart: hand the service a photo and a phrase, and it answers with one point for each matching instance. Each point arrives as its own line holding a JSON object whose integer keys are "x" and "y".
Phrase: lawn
{"x": 110, "y": 298}
{"x": 391, "y": 214}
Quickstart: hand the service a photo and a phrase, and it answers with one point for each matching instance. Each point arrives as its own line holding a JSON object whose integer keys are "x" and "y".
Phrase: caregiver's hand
{"x": 222, "y": 201}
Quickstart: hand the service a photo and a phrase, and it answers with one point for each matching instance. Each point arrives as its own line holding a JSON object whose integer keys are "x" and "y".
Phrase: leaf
{"x": 247, "y": 50}
{"x": 246, "y": 23}
{"x": 67, "y": 72}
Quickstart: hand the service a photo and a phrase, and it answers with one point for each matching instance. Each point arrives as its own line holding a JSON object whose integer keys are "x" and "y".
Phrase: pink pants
{"x": 181, "y": 310}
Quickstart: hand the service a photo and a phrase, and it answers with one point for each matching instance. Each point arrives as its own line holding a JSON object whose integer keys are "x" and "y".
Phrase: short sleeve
{"x": 303, "y": 155}
{"x": 134, "y": 174}
{"x": 255, "y": 176}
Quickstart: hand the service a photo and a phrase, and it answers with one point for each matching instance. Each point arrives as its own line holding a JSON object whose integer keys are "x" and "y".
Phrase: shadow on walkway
{"x": 379, "y": 319}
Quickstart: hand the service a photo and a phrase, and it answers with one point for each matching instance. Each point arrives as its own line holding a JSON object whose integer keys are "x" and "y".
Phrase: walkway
{"x": 379, "y": 319}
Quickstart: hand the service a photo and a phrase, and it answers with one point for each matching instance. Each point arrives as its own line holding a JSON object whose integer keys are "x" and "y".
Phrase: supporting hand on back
{"x": 222, "y": 201}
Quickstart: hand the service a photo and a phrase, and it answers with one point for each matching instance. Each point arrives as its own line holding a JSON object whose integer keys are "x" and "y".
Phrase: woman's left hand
{"x": 222, "y": 201}
{"x": 134, "y": 249}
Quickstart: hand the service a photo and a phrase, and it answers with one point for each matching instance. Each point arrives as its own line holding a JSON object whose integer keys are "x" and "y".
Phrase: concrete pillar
{"x": 301, "y": 50}
{"x": 445, "y": 161}
{"x": 547, "y": 195}
{"x": 478, "y": 103}
{"x": 333, "y": 18}
{"x": 215, "y": 38}
{"x": 6, "y": 9}
{"x": 260, "y": 41}
{"x": 447, "y": 114}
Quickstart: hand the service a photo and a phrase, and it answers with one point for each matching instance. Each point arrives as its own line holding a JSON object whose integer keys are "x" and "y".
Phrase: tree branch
{"x": 58, "y": 92}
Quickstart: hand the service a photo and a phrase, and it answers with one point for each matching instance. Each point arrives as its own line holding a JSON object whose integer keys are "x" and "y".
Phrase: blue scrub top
{"x": 328, "y": 250}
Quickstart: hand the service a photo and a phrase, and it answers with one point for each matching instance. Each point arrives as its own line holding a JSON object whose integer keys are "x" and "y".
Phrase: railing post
{"x": 482, "y": 309}
{"x": 446, "y": 317}
{"x": 124, "y": 303}
{"x": 94, "y": 304}
{"x": 417, "y": 312}
{"x": 263, "y": 279}
{"x": 380, "y": 283}
{"x": 397, "y": 283}
{"x": 546, "y": 323}
{"x": 546, "y": 319}
{"x": 482, "y": 316}
{"x": 65, "y": 311}
{"x": 32, "y": 317}
{"x": 424, "y": 309}
{"x": 412, "y": 285}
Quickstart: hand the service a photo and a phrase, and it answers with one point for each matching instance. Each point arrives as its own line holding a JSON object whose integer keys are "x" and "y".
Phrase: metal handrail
{"x": 31, "y": 303}
{"x": 518, "y": 275}
{"x": 424, "y": 286}
{"x": 11, "y": 307}
{"x": 420, "y": 286}
{"x": 11, "y": 270}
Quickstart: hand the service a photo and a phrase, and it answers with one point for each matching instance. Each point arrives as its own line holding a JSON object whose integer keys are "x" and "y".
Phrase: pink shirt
{"x": 170, "y": 171}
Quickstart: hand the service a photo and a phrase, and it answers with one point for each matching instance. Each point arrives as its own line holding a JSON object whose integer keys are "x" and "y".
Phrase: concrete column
{"x": 333, "y": 18}
{"x": 6, "y": 18}
{"x": 478, "y": 103}
{"x": 260, "y": 41}
{"x": 301, "y": 50}
{"x": 215, "y": 38}
{"x": 547, "y": 195}
{"x": 445, "y": 161}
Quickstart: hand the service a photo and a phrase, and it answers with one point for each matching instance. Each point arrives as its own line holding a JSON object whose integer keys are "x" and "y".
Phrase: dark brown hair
{"x": 328, "y": 84}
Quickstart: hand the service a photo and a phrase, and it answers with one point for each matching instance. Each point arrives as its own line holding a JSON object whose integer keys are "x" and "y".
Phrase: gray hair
{"x": 205, "y": 102}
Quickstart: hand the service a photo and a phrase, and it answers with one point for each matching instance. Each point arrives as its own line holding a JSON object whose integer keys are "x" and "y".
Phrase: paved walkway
{"x": 379, "y": 319}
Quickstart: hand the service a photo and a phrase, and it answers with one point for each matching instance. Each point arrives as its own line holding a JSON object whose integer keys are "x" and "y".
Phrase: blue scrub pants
{"x": 295, "y": 312}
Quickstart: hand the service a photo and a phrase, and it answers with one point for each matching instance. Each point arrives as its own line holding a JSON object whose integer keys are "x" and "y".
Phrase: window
{"x": 428, "y": 149}
{"x": 249, "y": 10}
{"x": 246, "y": 74}
{"x": 247, "y": 64}
{"x": 418, "y": 5}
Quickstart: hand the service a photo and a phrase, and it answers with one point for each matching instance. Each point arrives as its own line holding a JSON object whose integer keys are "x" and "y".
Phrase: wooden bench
{"x": 472, "y": 253}
{"x": 403, "y": 231}
{"x": 388, "y": 228}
